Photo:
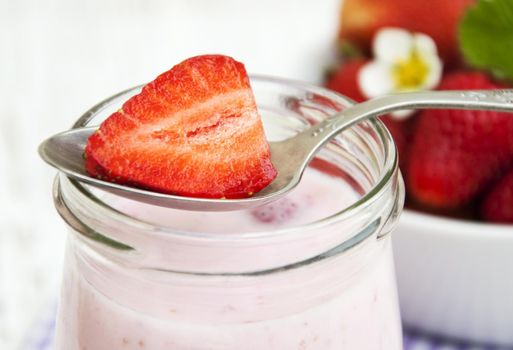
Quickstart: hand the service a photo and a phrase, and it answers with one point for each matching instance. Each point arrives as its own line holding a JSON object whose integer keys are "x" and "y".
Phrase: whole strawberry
{"x": 457, "y": 154}
{"x": 345, "y": 81}
{"x": 498, "y": 203}
{"x": 361, "y": 19}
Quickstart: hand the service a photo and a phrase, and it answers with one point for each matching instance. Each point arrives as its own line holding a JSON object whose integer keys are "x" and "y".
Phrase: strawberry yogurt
{"x": 344, "y": 300}
{"x": 313, "y": 270}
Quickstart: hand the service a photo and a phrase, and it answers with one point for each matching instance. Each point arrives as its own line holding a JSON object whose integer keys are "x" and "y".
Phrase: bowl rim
{"x": 455, "y": 227}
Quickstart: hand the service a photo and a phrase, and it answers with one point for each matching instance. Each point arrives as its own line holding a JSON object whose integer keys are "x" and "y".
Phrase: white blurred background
{"x": 60, "y": 57}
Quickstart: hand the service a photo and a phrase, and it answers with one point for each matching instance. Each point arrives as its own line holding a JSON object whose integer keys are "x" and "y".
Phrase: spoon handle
{"x": 313, "y": 138}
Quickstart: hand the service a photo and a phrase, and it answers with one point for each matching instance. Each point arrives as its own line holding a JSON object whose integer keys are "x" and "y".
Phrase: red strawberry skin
{"x": 361, "y": 19}
{"x": 193, "y": 131}
{"x": 345, "y": 81}
{"x": 456, "y": 154}
{"x": 498, "y": 203}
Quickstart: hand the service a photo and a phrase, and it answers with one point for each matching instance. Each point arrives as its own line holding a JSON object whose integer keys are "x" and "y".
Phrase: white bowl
{"x": 455, "y": 277}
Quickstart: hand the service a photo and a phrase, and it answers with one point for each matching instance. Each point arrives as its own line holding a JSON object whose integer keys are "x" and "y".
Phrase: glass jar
{"x": 313, "y": 271}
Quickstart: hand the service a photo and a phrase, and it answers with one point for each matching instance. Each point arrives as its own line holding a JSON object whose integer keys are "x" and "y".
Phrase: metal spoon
{"x": 290, "y": 157}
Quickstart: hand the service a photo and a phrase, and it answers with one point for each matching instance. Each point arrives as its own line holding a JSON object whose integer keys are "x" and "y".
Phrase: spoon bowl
{"x": 290, "y": 157}
{"x": 65, "y": 152}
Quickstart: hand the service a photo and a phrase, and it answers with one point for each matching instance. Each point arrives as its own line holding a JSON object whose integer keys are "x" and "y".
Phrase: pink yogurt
{"x": 282, "y": 293}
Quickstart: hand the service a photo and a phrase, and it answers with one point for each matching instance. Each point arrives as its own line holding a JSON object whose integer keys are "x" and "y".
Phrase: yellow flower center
{"x": 410, "y": 74}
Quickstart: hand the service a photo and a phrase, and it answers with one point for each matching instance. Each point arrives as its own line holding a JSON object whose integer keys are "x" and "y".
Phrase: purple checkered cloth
{"x": 42, "y": 336}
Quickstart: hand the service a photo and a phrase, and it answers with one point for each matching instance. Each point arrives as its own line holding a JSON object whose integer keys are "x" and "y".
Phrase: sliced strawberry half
{"x": 194, "y": 131}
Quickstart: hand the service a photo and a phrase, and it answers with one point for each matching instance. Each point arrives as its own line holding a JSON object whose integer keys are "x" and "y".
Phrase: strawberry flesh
{"x": 194, "y": 131}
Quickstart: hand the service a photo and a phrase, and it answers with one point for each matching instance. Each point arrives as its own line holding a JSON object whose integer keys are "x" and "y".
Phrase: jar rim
{"x": 380, "y": 185}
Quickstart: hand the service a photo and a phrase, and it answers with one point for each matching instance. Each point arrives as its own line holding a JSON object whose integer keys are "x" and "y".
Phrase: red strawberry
{"x": 193, "y": 131}
{"x": 401, "y": 131}
{"x": 455, "y": 153}
{"x": 345, "y": 81}
{"x": 498, "y": 203}
{"x": 361, "y": 19}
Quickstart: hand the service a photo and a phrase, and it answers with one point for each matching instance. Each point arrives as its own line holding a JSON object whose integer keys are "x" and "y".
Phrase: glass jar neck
{"x": 142, "y": 244}
{"x": 364, "y": 154}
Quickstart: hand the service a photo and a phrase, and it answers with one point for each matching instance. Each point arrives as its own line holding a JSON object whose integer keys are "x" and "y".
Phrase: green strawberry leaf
{"x": 486, "y": 37}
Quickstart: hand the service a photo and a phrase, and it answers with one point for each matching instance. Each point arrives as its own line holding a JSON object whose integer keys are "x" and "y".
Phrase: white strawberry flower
{"x": 403, "y": 61}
